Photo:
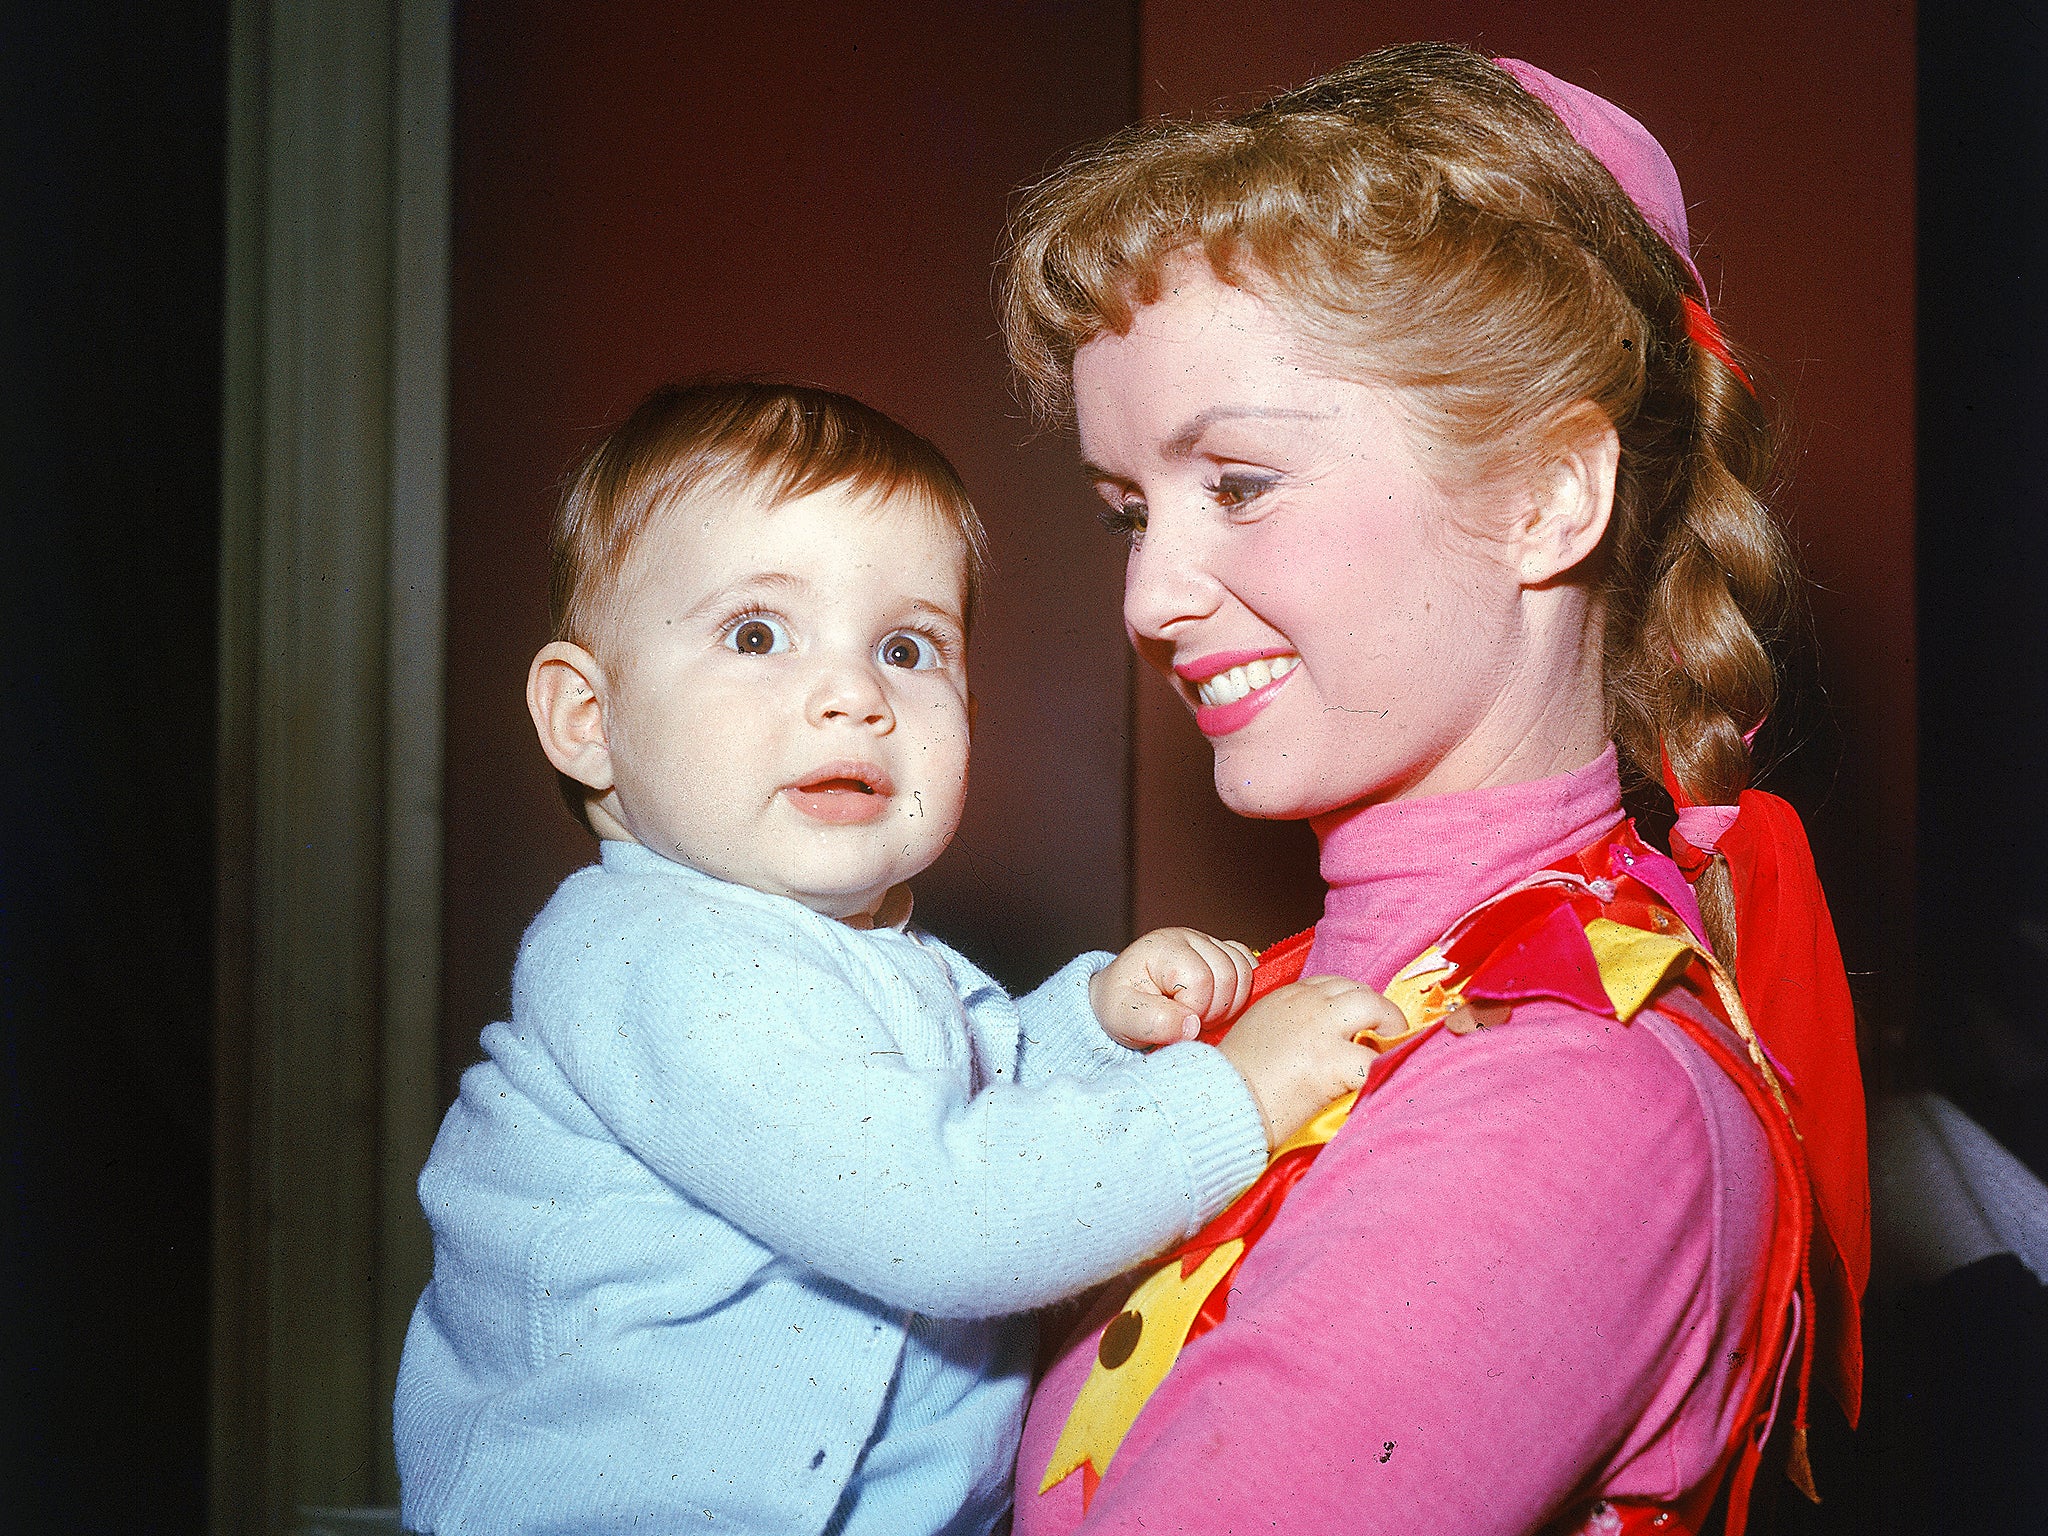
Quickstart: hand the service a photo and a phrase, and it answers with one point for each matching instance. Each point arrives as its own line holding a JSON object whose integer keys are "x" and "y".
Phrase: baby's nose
{"x": 851, "y": 693}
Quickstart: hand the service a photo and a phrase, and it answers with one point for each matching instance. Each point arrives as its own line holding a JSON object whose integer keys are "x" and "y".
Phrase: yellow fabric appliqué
{"x": 1634, "y": 962}
{"x": 1138, "y": 1348}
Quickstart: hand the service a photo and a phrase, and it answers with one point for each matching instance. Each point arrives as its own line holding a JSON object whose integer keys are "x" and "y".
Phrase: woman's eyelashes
{"x": 1230, "y": 491}
{"x": 1123, "y": 516}
{"x": 1235, "y": 491}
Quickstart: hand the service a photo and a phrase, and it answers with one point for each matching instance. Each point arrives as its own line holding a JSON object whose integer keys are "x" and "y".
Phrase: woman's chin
{"x": 1265, "y": 798}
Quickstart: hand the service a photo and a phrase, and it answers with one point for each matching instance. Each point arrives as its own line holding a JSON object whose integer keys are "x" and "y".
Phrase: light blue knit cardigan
{"x": 734, "y": 1171}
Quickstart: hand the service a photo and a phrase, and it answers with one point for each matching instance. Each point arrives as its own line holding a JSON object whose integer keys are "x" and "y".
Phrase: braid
{"x": 1701, "y": 585}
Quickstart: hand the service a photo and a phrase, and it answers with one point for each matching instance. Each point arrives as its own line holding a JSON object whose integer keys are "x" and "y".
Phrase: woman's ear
{"x": 1571, "y": 495}
{"x": 565, "y": 695}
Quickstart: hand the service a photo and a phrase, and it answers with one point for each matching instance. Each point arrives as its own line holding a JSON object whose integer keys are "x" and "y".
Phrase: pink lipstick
{"x": 1202, "y": 668}
{"x": 1248, "y": 682}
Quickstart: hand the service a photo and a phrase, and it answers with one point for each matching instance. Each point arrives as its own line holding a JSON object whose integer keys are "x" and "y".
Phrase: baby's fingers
{"x": 1329, "y": 1046}
{"x": 1139, "y": 1017}
{"x": 1231, "y": 999}
{"x": 1191, "y": 968}
{"x": 1221, "y": 983}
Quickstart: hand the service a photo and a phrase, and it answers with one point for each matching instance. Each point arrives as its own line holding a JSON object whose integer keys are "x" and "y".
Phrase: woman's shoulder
{"x": 1601, "y": 1171}
{"x": 1561, "y": 1097}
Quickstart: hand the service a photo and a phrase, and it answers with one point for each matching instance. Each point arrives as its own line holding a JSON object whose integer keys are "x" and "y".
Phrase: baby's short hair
{"x": 733, "y": 437}
{"x": 767, "y": 441}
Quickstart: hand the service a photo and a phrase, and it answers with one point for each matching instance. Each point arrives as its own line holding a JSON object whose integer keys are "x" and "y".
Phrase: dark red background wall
{"x": 817, "y": 190}
{"x": 813, "y": 191}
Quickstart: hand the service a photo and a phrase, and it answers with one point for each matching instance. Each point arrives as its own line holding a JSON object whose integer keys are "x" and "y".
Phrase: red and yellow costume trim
{"x": 1584, "y": 931}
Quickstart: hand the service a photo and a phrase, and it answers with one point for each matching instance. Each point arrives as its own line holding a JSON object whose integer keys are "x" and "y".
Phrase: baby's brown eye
{"x": 757, "y": 637}
{"x": 904, "y": 649}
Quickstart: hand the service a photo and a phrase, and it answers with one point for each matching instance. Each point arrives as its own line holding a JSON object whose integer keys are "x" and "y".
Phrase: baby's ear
{"x": 565, "y": 695}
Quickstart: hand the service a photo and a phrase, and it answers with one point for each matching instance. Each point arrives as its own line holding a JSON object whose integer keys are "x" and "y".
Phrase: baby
{"x": 727, "y": 1223}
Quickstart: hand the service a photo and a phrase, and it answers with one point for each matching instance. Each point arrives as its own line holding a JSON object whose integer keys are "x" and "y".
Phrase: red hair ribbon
{"x": 1704, "y": 332}
{"x": 1788, "y": 969}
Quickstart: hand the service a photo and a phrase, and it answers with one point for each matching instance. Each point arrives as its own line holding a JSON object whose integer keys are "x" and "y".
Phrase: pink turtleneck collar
{"x": 1402, "y": 871}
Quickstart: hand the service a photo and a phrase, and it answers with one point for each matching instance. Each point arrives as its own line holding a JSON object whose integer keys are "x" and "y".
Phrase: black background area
{"x": 113, "y": 215}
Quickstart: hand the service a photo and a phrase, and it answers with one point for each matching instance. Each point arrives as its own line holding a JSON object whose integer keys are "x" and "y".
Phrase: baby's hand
{"x": 1170, "y": 983}
{"x": 1294, "y": 1047}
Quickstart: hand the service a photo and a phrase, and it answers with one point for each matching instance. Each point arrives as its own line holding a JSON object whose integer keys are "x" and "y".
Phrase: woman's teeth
{"x": 1229, "y": 687}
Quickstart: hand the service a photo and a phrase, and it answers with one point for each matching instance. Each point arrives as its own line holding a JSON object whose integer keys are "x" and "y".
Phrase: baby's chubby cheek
{"x": 941, "y": 800}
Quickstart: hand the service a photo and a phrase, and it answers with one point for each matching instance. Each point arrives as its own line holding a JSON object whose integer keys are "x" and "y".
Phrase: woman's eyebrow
{"x": 1182, "y": 443}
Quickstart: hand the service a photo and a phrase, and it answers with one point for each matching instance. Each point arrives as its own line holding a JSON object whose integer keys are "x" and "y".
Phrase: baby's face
{"x": 788, "y": 704}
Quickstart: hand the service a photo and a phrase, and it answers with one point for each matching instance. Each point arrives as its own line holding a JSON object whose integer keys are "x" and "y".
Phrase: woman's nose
{"x": 849, "y": 692}
{"x": 1167, "y": 583}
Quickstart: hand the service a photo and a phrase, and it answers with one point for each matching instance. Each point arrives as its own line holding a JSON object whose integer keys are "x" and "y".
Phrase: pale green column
{"x": 331, "y": 618}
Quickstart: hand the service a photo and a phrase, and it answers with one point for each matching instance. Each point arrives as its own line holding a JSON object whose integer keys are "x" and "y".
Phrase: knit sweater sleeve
{"x": 1061, "y": 1035}
{"x": 755, "y": 1077}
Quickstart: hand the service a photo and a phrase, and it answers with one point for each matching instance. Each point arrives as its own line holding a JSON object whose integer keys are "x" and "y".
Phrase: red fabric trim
{"x": 1789, "y": 972}
{"x": 1636, "y": 1519}
{"x": 1784, "y": 1271}
{"x": 1704, "y": 332}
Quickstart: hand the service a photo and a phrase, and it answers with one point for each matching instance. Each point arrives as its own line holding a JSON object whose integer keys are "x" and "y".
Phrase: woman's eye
{"x": 1236, "y": 490}
{"x": 757, "y": 636}
{"x": 907, "y": 648}
{"x": 1125, "y": 519}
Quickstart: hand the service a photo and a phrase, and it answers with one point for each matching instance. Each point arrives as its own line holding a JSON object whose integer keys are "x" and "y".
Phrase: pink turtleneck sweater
{"x": 1519, "y": 1275}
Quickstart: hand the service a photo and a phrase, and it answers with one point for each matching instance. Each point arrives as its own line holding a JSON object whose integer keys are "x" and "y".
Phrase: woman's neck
{"x": 1402, "y": 871}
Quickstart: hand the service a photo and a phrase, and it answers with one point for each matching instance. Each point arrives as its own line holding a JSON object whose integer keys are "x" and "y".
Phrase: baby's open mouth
{"x": 843, "y": 792}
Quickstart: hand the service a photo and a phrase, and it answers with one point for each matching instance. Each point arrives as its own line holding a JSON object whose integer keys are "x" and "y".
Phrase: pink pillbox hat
{"x": 1630, "y": 152}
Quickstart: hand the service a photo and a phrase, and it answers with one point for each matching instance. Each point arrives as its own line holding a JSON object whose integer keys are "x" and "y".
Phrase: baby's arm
{"x": 1101, "y": 1010}
{"x": 1294, "y": 1049}
{"x": 776, "y": 1096}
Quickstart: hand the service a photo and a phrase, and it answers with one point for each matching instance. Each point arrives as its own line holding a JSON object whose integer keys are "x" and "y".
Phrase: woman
{"x": 1441, "y": 492}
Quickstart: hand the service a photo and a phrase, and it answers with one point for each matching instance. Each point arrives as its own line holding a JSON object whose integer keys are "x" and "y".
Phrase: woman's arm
{"x": 1519, "y": 1268}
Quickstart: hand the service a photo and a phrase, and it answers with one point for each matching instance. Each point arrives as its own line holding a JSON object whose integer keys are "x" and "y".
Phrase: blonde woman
{"x": 1441, "y": 488}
